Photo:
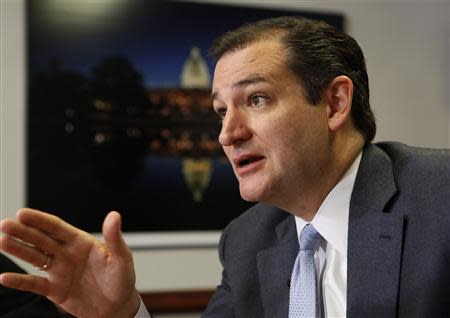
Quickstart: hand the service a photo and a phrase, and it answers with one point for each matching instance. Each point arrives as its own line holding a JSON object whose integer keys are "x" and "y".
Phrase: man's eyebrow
{"x": 252, "y": 79}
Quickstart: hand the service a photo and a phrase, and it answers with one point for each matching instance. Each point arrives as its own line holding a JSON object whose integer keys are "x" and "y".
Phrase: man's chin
{"x": 250, "y": 195}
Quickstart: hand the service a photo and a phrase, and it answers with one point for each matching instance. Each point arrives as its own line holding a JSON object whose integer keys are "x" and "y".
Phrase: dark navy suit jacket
{"x": 398, "y": 259}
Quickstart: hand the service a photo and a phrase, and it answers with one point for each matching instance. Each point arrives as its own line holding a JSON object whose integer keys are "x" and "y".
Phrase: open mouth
{"x": 247, "y": 160}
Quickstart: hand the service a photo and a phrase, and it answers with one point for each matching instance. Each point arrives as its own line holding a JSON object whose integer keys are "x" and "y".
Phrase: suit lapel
{"x": 375, "y": 239}
{"x": 274, "y": 270}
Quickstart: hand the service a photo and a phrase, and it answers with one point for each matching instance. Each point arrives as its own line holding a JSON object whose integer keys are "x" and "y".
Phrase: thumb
{"x": 112, "y": 234}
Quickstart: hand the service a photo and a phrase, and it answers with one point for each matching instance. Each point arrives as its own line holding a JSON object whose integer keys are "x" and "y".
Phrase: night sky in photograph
{"x": 156, "y": 36}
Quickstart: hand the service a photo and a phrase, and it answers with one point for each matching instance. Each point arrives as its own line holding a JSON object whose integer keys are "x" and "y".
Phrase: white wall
{"x": 407, "y": 50}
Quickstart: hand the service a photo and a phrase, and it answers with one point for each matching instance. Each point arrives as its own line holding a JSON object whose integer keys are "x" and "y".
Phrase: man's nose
{"x": 234, "y": 128}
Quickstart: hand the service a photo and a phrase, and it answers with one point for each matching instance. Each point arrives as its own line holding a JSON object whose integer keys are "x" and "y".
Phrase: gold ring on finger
{"x": 47, "y": 264}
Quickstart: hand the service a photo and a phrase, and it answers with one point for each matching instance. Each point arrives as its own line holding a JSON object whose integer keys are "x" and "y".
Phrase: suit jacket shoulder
{"x": 251, "y": 231}
{"x": 420, "y": 169}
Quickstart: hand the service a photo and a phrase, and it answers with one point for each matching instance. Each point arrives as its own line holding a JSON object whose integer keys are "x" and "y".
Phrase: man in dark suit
{"x": 365, "y": 226}
{"x": 389, "y": 202}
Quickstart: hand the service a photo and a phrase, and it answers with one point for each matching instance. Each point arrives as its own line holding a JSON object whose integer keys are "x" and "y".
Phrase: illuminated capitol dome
{"x": 195, "y": 72}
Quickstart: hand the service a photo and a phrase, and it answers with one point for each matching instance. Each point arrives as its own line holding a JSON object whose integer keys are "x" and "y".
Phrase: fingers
{"x": 35, "y": 284}
{"x": 23, "y": 251}
{"x": 34, "y": 235}
{"x": 48, "y": 223}
{"x": 113, "y": 236}
{"x": 29, "y": 235}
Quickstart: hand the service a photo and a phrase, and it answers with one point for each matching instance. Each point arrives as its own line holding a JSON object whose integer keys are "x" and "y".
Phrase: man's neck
{"x": 342, "y": 156}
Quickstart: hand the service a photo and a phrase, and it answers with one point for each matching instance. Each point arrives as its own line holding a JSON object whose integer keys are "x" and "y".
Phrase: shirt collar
{"x": 331, "y": 220}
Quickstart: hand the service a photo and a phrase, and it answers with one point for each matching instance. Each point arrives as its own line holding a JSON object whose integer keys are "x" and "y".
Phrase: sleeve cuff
{"x": 142, "y": 312}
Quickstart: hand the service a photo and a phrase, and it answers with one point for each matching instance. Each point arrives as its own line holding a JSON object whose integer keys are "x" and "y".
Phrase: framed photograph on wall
{"x": 119, "y": 116}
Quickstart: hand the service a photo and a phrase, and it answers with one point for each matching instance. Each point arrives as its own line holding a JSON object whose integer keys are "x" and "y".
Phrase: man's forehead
{"x": 263, "y": 58}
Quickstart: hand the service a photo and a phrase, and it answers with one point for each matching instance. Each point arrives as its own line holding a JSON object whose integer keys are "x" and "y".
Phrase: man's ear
{"x": 339, "y": 96}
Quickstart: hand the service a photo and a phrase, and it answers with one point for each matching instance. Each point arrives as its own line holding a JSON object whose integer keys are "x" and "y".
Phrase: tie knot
{"x": 309, "y": 238}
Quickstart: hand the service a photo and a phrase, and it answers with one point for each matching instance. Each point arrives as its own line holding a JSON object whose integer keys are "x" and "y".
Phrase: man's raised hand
{"x": 86, "y": 277}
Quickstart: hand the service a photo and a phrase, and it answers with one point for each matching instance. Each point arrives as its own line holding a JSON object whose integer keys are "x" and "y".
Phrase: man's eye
{"x": 257, "y": 100}
{"x": 221, "y": 112}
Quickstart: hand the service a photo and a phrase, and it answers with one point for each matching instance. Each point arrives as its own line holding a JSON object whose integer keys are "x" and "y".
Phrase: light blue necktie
{"x": 303, "y": 294}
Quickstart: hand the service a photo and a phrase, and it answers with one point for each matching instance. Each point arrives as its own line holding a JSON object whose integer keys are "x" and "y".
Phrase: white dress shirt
{"x": 142, "y": 312}
{"x": 331, "y": 221}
